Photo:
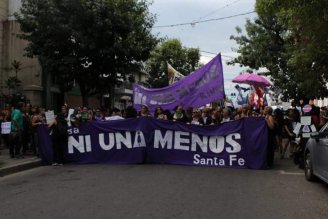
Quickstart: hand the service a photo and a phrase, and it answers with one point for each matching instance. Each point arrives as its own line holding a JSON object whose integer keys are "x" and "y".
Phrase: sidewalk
{"x": 12, "y": 165}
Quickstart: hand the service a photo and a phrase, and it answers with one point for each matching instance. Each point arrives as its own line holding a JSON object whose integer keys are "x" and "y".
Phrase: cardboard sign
{"x": 306, "y": 135}
{"x": 306, "y": 120}
{"x": 5, "y": 127}
{"x": 297, "y": 128}
{"x": 306, "y": 129}
{"x": 50, "y": 116}
{"x": 70, "y": 112}
{"x": 313, "y": 129}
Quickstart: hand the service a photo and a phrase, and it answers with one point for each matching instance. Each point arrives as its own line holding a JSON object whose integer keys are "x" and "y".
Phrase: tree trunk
{"x": 84, "y": 95}
{"x": 85, "y": 100}
{"x": 112, "y": 96}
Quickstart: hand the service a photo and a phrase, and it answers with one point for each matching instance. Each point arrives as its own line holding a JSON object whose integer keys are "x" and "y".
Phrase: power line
{"x": 204, "y": 21}
{"x": 216, "y": 54}
{"x": 213, "y": 12}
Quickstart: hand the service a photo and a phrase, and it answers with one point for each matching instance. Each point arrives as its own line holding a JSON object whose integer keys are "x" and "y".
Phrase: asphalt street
{"x": 162, "y": 191}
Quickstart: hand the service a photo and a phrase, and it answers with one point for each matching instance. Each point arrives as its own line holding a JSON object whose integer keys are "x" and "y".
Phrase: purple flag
{"x": 195, "y": 90}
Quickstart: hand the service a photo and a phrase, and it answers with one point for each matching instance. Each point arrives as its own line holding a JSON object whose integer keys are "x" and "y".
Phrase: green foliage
{"x": 89, "y": 41}
{"x": 16, "y": 65}
{"x": 290, "y": 39}
{"x": 12, "y": 83}
{"x": 264, "y": 46}
{"x": 185, "y": 60}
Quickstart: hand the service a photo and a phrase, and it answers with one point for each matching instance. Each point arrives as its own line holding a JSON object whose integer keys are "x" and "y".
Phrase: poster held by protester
{"x": 70, "y": 113}
{"x": 305, "y": 120}
{"x": 5, "y": 127}
{"x": 50, "y": 116}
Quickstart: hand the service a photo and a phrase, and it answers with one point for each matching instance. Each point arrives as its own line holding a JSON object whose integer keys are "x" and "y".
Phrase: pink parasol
{"x": 252, "y": 79}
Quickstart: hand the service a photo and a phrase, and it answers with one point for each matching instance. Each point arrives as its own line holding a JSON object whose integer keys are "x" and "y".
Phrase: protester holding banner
{"x": 246, "y": 111}
{"x": 206, "y": 118}
{"x": 168, "y": 114}
{"x": 116, "y": 115}
{"x": 26, "y": 134}
{"x": 287, "y": 132}
{"x": 144, "y": 111}
{"x": 188, "y": 114}
{"x": 279, "y": 127}
{"x": 98, "y": 115}
{"x": 59, "y": 137}
{"x": 216, "y": 116}
{"x": 36, "y": 120}
{"x": 195, "y": 117}
{"x": 131, "y": 112}
{"x": 179, "y": 114}
{"x": 271, "y": 135}
{"x": 226, "y": 115}
{"x": 85, "y": 115}
{"x": 159, "y": 113}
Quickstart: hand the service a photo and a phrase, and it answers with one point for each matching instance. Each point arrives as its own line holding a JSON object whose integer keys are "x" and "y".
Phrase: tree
{"x": 306, "y": 22}
{"x": 94, "y": 42}
{"x": 183, "y": 59}
{"x": 289, "y": 38}
{"x": 16, "y": 65}
{"x": 264, "y": 46}
{"x": 13, "y": 82}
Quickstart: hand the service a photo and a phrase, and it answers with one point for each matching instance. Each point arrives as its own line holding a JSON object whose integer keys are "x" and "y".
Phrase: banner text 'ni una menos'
{"x": 241, "y": 143}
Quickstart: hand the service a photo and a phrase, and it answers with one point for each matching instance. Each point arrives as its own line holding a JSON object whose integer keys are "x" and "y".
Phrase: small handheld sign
{"x": 5, "y": 127}
{"x": 307, "y": 108}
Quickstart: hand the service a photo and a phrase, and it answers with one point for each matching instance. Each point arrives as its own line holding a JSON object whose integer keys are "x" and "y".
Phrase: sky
{"x": 213, "y": 36}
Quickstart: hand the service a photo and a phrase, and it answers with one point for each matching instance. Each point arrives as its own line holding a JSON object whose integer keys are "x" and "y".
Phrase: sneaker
{"x": 54, "y": 164}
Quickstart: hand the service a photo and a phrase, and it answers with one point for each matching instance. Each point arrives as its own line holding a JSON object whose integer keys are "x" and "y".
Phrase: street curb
{"x": 4, "y": 171}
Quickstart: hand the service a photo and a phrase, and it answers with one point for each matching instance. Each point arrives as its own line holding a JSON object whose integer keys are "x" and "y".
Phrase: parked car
{"x": 316, "y": 156}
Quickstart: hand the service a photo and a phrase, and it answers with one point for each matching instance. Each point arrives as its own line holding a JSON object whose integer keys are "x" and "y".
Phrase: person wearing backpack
{"x": 59, "y": 138}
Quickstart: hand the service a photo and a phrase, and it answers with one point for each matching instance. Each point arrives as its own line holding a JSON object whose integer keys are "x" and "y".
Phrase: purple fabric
{"x": 238, "y": 144}
{"x": 195, "y": 90}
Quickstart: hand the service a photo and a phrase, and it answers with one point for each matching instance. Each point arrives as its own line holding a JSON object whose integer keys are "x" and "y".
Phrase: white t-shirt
{"x": 114, "y": 118}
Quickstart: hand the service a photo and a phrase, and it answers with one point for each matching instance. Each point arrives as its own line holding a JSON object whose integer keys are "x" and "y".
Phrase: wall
{"x": 12, "y": 48}
{"x": 30, "y": 71}
{"x": 3, "y": 18}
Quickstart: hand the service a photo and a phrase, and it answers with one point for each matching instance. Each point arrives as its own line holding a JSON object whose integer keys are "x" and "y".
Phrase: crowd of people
{"x": 25, "y": 119}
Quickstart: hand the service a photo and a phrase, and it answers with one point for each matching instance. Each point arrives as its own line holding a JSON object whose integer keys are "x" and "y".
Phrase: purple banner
{"x": 195, "y": 90}
{"x": 238, "y": 144}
